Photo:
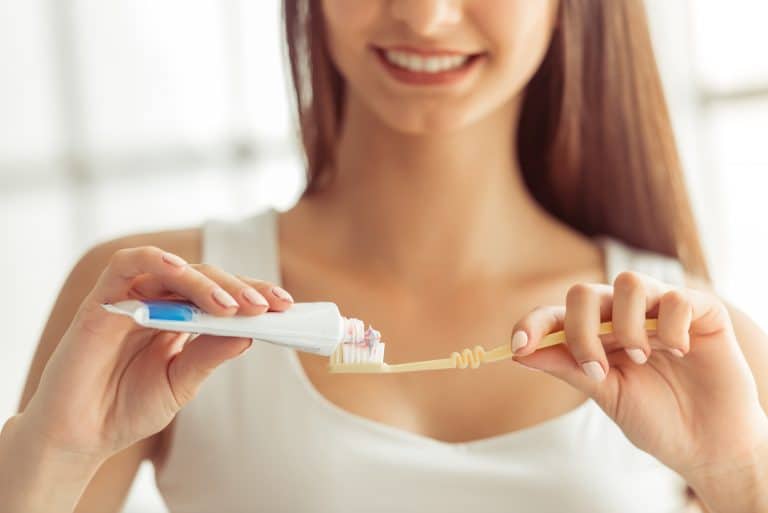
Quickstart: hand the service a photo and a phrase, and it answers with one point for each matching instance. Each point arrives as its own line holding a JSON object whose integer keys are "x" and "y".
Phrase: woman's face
{"x": 432, "y": 65}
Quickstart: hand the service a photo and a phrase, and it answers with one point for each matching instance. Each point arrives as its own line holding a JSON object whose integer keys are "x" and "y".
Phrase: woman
{"x": 478, "y": 169}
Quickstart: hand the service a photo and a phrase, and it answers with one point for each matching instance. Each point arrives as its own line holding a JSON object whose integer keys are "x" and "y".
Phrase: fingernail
{"x": 223, "y": 298}
{"x": 519, "y": 339}
{"x": 282, "y": 294}
{"x": 636, "y": 354}
{"x": 677, "y": 352}
{"x": 255, "y": 298}
{"x": 594, "y": 370}
{"x": 174, "y": 260}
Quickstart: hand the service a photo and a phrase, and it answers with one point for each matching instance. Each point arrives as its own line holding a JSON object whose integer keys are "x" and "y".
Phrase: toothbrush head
{"x": 366, "y": 355}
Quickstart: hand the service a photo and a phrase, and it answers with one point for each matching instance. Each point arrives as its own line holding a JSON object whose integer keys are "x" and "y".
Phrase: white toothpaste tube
{"x": 313, "y": 327}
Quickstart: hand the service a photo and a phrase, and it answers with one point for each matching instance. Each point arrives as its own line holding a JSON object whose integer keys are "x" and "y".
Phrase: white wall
{"x": 154, "y": 100}
{"x": 731, "y": 73}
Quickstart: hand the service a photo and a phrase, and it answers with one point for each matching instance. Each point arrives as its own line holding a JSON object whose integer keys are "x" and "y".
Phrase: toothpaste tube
{"x": 313, "y": 327}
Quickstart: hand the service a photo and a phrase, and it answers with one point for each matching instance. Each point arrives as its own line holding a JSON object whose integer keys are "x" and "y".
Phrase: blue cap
{"x": 171, "y": 310}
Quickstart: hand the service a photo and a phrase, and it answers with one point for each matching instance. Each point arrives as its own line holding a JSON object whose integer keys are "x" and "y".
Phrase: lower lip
{"x": 423, "y": 78}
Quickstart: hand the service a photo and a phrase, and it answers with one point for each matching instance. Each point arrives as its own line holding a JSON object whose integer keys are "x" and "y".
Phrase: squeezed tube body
{"x": 314, "y": 327}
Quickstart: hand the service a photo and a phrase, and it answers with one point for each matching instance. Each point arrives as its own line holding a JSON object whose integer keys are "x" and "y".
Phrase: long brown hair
{"x": 595, "y": 142}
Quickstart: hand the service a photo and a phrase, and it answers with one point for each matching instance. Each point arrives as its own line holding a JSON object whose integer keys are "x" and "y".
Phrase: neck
{"x": 424, "y": 205}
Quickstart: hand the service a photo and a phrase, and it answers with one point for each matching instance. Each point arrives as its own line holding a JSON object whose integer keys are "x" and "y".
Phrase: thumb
{"x": 188, "y": 368}
{"x": 557, "y": 361}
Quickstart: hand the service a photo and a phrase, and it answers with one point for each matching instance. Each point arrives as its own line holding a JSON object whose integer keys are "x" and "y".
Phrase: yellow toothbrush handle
{"x": 605, "y": 327}
{"x": 474, "y": 357}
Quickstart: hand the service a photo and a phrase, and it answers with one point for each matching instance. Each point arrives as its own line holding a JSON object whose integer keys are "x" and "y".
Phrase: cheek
{"x": 349, "y": 25}
{"x": 350, "y": 11}
{"x": 348, "y": 22}
{"x": 518, "y": 34}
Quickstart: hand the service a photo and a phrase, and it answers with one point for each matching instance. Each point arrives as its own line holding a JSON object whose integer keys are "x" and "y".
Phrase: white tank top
{"x": 260, "y": 437}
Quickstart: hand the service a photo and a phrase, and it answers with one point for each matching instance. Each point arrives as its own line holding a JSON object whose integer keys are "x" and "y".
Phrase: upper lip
{"x": 426, "y": 52}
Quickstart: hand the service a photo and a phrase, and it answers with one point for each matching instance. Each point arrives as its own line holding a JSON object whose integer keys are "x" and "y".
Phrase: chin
{"x": 422, "y": 122}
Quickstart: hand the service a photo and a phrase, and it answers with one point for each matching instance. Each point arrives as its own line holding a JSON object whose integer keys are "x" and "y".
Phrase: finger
{"x": 628, "y": 315}
{"x": 189, "y": 368}
{"x": 114, "y": 284}
{"x": 529, "y": 331}
{"x": 148, "y": 287}
{"x": 684, "y": 312}
{"x": 204, "y": 291}
{"x": 116, "y": 281}
{"x": 535, "y": 325}
{"x": 582, "y": 324}
{"x": 252, "y": 302}
{"x": 709, "y": 315}
{"x": 674, "y": 321}
{"x": 558, "y": 361}
{"x": 254, "y": 296}
{"x": 630, "y": 305}
{"x": 279, "y": 298}
{"x": 127, "y": 264}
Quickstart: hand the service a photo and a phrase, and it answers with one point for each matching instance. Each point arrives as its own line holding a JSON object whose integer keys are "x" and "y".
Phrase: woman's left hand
{"x": 684, "y": 394}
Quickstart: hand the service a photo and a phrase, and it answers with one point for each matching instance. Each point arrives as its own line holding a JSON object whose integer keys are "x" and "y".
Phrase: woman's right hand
{"x": 111, "y": 382}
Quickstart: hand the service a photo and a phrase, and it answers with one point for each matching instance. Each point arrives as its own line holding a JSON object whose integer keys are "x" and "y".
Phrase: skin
{"x": 407, "y": 162}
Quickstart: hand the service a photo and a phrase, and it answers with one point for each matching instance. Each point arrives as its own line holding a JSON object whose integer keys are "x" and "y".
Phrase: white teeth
{"x": 414, "y": 62}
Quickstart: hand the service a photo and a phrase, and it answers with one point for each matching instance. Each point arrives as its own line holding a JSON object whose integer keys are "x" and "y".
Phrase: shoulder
{"x": 752, "y": 339}
{"x": 184, "y": 242}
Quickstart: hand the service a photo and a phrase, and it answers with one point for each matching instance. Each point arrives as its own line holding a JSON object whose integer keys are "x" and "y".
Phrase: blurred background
{"x": 130, "y": 116}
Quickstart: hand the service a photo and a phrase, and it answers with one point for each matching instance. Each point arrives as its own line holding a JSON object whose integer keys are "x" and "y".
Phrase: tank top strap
{"x": 621, "y": 256}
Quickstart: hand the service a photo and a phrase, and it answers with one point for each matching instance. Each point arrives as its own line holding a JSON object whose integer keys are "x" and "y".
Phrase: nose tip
{"x": 427, "y": 17}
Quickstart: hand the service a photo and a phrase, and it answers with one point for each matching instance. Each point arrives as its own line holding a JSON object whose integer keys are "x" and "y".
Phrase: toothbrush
{"x": 319, "y": 328}
{"x": 374, "y": 363}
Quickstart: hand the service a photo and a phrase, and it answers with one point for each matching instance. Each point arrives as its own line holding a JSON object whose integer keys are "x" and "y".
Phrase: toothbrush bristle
{"x": 362, "y": 353}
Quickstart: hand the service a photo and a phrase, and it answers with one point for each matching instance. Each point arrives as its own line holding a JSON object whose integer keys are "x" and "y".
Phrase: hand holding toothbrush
{"x": 683, "y": 393}
{"x": 111, "y": 382}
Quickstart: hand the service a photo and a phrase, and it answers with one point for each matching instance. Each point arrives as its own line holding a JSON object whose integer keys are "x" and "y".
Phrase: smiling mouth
{"x": 425, "y": 64}
{"x": 426, "y": 67}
